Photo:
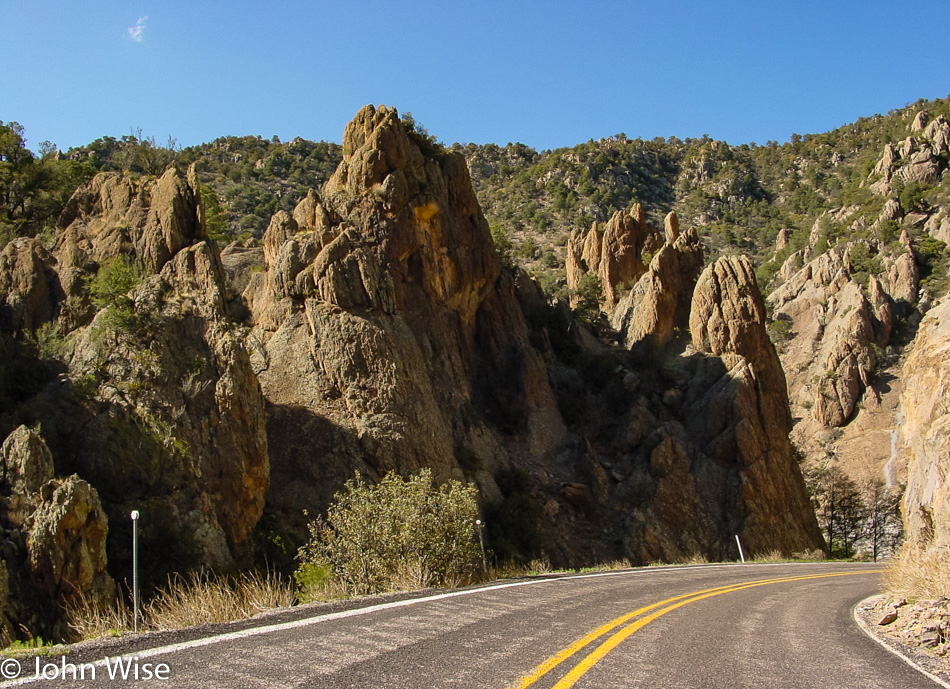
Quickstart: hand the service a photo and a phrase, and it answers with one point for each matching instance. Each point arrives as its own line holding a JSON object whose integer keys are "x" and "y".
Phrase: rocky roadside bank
{"x": 919, "y": 631}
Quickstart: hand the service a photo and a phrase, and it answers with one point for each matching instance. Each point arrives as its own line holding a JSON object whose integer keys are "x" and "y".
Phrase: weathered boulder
{"x": 53, "y": 543}
{"x": 66, "y": 544}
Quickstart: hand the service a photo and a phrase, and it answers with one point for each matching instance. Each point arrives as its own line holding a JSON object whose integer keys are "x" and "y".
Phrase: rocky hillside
{"x": 847, "y": 229}
{"x": 125, "y": 362}
{"x": 374, "y": 328}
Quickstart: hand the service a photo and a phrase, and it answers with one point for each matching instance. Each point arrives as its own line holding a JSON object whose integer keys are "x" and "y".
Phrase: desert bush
{"x": 402, "y": 533}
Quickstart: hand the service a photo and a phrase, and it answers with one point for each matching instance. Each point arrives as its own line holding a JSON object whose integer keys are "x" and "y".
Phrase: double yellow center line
{"x": 637, "y": 620}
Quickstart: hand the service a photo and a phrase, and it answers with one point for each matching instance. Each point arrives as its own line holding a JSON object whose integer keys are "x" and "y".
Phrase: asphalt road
{"x": 728, "y": 626}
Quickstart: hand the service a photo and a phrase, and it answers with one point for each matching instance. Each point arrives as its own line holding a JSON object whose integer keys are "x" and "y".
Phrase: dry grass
{"x": 611, "y": 566}
{"x": 88, "y": 621}
{"x": 816, "y": 555}
{"x": 187, "y": 601}
{"x": 770, "y": 557}
{"x": 202, "y": 599}
{"x": 919, "y": 574}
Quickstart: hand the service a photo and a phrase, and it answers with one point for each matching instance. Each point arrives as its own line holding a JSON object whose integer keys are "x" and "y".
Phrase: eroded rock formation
{"x": 150, "y": 401}
{"x": 834, "y": 316}
{"x": 916, "y": 159}
{"x": 751, "y": 422}
{"x": 386, "y": 337}
{"x": 617, "y": 253}
{"x": 659, "y": 301}
{"x": 53, "y": 538}
{"x": 382, "y": 333}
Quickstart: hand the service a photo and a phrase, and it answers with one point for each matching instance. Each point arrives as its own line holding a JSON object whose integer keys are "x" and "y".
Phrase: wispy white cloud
{"x": 137, "y": 32}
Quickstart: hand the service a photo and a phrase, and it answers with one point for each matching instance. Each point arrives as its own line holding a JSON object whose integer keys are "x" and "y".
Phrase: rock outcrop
{"x": 751, "y": 421}
{"x": 617, "y": 253}
{"x": 149, "y": 401}
{"x": 174, "y": 380}
{"x": 380, "y": 332}
{"x": 921, "y": 157}
{"x": 925, "y": 416}
{"x": 53, "y": 538}
{"x": 659, "y": 302}
{"x": 833, "y": 319}
{"x": 386, "y": 337}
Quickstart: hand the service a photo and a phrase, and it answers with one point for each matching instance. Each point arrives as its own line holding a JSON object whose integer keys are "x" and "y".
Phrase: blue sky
{"x": 547, "y": 74}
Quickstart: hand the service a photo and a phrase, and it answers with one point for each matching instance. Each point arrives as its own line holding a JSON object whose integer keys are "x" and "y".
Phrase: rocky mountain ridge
{"x": 382, "y": 333}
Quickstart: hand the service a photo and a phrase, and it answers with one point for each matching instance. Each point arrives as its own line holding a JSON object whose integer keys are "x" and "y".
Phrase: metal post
{"x": 738, "y": 543}
{"x": 135, "y": 570}
{"x": 481, "y": 541}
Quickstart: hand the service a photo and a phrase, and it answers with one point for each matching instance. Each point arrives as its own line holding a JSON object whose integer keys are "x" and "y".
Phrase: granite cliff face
{"x": 925, "y": 415}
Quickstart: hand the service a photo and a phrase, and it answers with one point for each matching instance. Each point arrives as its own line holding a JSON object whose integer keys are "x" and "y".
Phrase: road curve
{"x": 729, "y": 626}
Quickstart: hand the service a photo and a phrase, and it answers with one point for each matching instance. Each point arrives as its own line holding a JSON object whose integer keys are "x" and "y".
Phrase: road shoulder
{"x": 867, "y": 615}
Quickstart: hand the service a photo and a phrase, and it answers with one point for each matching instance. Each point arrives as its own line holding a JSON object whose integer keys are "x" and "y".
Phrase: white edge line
{"x": 356, "y": 612}
{"x": 874, "y": 637}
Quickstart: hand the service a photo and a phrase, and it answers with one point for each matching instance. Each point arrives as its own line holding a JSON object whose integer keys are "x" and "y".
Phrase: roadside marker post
{"x": 481, "y": 542}
{"x": 739, "y": 543}
{"x": 135, "y": 570}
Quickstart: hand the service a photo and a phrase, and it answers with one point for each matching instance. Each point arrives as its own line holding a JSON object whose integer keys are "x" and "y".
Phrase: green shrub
{"x": 109, "y": 290}
{"x": 112, "y": 283}
{"x": 589, "y": 294}
{"x": 780, "y": 330}
{"x": 402, "y": 533}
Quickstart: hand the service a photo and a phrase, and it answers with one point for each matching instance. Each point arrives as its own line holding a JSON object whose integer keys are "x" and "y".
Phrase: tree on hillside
{"x": 213, "y": 215}
{"x": 20, "y": 176}
{"x": 33, "y": 190}
{"x": 142, "y": 154}
{"x": 838, "y": 507}
{"x": 883, "y": 525}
